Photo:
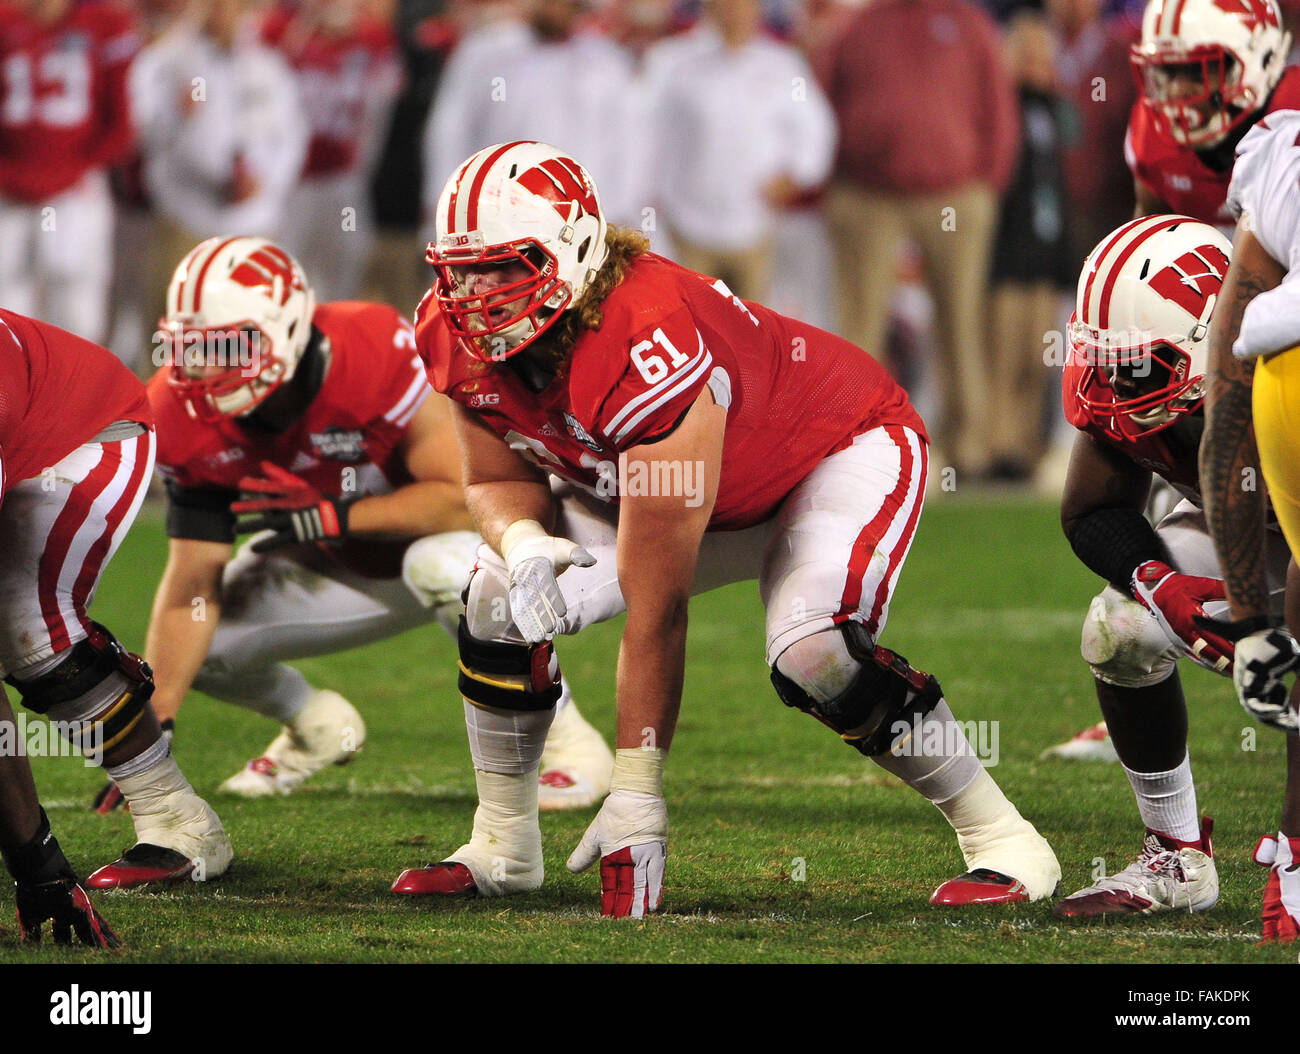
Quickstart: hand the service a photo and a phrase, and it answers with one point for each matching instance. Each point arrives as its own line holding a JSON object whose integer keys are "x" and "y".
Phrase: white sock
{"x": 506, "y": 741}
{"x": 936, "y": 776}
{"x": 1167, "y": 801}
{"x": 142, "y": 762}
{"x": 277, "y": 691}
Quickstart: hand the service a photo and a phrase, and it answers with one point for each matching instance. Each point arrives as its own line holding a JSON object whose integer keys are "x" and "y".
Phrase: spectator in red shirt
{"x": 1093, "y": 75}
{"x": 928, "y": 139}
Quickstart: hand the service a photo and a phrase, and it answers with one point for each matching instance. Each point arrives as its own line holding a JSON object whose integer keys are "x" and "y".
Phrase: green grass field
{"x": 759, "y": 796}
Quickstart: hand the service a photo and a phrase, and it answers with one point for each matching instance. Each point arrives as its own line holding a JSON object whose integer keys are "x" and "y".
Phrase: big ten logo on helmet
{"x": 271, "y": 268}
{"x": 340, "y": 444}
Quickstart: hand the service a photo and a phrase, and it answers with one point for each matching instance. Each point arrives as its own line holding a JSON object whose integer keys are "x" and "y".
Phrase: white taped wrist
{"x": 638, "y": 769}
{"x": 519, "y": 531}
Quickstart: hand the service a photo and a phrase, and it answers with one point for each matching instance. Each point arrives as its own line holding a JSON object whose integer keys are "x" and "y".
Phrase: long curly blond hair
{"x": 552, "y": 349}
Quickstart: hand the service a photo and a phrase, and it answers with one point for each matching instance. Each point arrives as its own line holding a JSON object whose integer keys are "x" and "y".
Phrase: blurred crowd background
{"x": 924, "y": 177}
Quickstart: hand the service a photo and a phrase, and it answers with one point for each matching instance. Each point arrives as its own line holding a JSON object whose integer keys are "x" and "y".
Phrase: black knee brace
{"x": 88, "y": 664}
{"x": 480, "y": 659}
{"x": 885, "y": 691}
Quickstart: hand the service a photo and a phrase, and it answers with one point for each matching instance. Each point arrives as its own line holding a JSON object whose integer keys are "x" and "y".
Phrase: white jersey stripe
{"x": 668, "y": 396}
{"x": 653, "y": 393}
{"x": 419, "y": 384}
{"x": 405, "y": 419}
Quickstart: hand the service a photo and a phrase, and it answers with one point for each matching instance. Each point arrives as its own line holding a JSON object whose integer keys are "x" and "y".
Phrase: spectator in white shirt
{"x": 740, "y": 130}
{"x": 533, "y": 71}
{"x": 222, "y": 133}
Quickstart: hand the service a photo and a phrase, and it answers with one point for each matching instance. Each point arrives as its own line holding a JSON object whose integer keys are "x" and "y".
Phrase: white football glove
{"x": 1263, "y": 658}
{"x": 629, "y": 836}
{"x": 535, "y": 560}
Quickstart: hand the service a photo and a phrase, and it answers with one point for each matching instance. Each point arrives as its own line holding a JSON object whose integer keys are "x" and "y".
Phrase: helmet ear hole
{"x": 582, "y": 250}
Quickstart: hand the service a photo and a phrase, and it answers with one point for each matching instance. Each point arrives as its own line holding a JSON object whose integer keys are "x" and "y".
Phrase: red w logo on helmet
{"x": 1254, "y": 13}
{"x": 561, "y": 181}
{"x": 1192, "y": 279}
{"x": 263, "y": 266}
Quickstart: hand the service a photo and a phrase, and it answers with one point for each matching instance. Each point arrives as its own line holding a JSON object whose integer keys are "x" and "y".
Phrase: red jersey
{"x": 1152, "y": 451}
{"x": 794, "y": 394}
{"x": 63, "y": 96}
{"x": 1175, "y": 173}
{"x": 346, "y": 442}
{"x": 334, "y": 76}
{"x": 57, "y": 392}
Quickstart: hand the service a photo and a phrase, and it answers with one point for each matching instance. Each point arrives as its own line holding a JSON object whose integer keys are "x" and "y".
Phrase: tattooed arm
{"x": 1231, "y": 482}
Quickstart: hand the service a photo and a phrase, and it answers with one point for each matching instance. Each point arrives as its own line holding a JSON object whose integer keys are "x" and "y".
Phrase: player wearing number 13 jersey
{"x": 632, "y": 434}
{"x": 64, "y": 119}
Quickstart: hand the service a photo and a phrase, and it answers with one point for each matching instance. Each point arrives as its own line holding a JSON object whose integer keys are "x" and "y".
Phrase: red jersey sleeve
{"x": 179, "y": 437}
{"x": 641, "y": 388}
{"x": 1138, "y": 144}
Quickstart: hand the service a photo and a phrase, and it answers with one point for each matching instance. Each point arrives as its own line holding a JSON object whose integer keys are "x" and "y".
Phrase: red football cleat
{"x": 447, "y": 879}
{"x": 143, "y": 865}
{"x": 980, "y": 886}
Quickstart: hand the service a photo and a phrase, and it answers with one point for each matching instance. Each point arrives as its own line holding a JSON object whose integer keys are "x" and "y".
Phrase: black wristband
{"x": 1114, "y": 542}
{"x": 38, "y": 860}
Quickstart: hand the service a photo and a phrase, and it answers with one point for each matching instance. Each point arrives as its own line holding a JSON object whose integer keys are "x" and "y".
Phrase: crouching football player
{"x": 44, "y": 884}
{"x": 577, "y": 358}
{"x": 77, "y": 450}
{"x": 1135, "y": 388}
{"x": 321, "y": 415}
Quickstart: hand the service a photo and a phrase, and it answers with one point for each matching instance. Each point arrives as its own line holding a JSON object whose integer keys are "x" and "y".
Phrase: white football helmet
{"x": 1139, "y": 336}
{"x": 239, "y": 314}
{"x": 1207, "y": 65}
{"x": 526, "y": 211}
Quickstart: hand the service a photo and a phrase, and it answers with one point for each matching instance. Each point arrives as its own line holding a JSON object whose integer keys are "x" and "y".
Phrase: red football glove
{"x": 1281, "y": 916}
{"x": 1176, "y": 600}
{"x": 630, "y": 838}
{"x": 294, "y": 509}
{"x": 65, "y": 903}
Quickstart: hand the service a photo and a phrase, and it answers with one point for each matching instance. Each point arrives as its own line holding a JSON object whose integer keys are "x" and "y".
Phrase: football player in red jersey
{"x": 77, "y": 445}
{"x": 1208, "y": 70}
{"x": 1134, "y": 387}
{"x": 632, "y": 433}
{"x": 322, "y": 413}
{"x": 64, "y": 120}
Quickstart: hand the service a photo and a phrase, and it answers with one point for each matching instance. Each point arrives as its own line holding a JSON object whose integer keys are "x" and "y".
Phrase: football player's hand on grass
{"x": 67, "y": 906}
{"x": 535, "y": 560}
{"x": 291, "y": 507}
{"x": 1177, "y": 602}
{"x": 629, "y": 836}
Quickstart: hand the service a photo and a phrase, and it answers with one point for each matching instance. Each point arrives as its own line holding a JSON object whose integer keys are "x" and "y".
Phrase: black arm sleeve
{"x": 1113, "y": 542}
{"x": 200, "y": 514}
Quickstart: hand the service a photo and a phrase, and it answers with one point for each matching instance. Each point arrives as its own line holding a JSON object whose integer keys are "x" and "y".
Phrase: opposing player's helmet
{"x": 1140, "y": 330}
{"x": 1207, "y": 65}
{"x": 524, "y": 207}
{"x": 238, "y": 320}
